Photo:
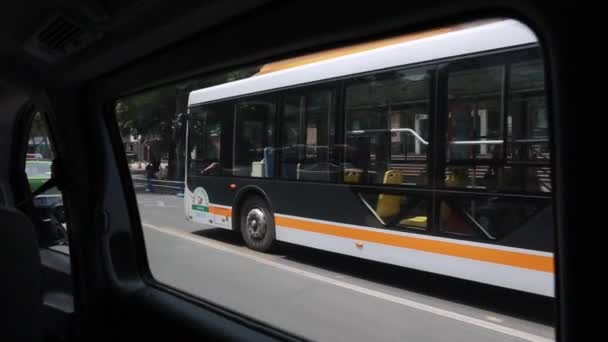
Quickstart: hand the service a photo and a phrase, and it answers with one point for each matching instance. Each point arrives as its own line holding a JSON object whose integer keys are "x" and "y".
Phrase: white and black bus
{"x": 432, "y": 152}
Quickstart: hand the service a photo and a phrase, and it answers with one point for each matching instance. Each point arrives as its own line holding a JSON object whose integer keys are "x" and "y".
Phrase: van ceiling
{"x": 89, "y": 37}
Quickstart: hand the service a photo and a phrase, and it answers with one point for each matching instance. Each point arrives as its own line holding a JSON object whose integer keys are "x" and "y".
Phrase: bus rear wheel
{"x": 257, "y": 224}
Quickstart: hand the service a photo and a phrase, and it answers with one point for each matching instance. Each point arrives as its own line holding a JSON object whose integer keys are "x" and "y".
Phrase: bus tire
{"x": 257, "y": 224}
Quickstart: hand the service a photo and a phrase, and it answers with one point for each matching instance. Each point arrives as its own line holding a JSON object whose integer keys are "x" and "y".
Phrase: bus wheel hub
{"x": 256, "y": 223}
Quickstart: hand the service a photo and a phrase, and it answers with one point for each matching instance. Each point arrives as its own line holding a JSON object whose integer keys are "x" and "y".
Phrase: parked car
{"x": 38, "y": 172}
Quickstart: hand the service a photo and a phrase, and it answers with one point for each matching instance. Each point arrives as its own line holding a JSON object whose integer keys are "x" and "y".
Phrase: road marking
{"x": 373, "y": 293}
{"x": 494, "y": 319}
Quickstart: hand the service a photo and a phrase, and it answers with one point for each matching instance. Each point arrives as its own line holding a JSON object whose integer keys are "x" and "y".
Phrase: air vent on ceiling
{"x": 57, "y": 38}
{"x": 61, "y": 35}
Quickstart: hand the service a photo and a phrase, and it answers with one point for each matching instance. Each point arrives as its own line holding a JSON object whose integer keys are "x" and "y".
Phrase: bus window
{"x": 254, "y": 133}
{"x": 485, "y": 148}
{"x": 387, "y": 126}
{"x": 497, "y": 218}
{"x": 506, "y": 154}
{"x": 398, "y": 211}
{"x": 210, "y": 140}
{"x": 308, "y": 134}
{"x": 474, "y": 123}
{"x": 474, "y": 113}
{"x": 528, "y": 125}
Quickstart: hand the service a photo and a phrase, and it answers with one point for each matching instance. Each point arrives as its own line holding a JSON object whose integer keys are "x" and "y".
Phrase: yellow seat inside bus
{"x": 390, "y": 205}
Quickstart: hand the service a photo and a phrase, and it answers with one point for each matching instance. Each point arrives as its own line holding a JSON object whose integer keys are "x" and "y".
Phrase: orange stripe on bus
{"x": 347, "y": 50}
{"x": 510, "y": 258}
{"x": 220, "y": 211}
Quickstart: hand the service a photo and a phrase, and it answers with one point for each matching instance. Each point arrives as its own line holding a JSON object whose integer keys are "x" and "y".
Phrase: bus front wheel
{"x": 257, "y": 224}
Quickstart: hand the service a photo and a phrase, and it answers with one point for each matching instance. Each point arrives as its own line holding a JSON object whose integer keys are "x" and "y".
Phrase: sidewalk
{"x": 140, "y": 167}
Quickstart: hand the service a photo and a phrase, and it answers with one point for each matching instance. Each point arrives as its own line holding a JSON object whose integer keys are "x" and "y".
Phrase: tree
{"x": 147, "y": 113}
{"x": 39, "y": 137}
{"x": 153, "y": 116}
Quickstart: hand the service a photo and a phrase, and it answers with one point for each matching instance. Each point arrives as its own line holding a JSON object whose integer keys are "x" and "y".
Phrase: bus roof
{"x": 361, "y": 58}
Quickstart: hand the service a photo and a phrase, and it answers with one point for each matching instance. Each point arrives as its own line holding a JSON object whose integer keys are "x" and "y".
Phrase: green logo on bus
{"x": 200, "y": 202}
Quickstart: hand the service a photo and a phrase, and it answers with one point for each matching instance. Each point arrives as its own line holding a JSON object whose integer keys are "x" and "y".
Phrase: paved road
{"x": 330, "y": 297}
